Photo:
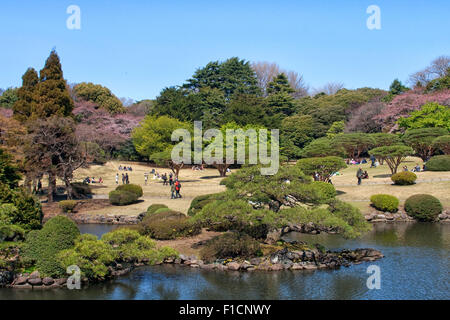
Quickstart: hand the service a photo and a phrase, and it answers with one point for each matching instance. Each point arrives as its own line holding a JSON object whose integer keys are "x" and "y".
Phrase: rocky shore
{"x": 309, "y": 259}
{"x": 401, "y": 216}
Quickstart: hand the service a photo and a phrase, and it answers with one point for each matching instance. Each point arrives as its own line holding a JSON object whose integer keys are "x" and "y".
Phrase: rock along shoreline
{"x": 308, "y": 259}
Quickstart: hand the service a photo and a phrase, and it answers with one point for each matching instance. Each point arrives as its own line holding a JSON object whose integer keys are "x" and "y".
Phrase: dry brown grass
{"x": 196, "y": 183}
{"x": 193, "y": 183}
{"x": 434, "y": 183}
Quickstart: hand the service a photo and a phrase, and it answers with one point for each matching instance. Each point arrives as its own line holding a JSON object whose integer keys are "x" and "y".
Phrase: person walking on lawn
{"x": 177, "y": 189}
{"x": 359, "y": 175}
{"x": 173, "y": 191}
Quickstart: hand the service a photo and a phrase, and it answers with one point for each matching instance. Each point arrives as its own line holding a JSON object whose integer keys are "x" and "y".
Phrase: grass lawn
{"x": 193, "y": 183}
{"x": 196, "y": 183}
{"x": 434, "y": 183}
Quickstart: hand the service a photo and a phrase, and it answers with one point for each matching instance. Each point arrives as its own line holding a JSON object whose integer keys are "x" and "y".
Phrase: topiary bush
{"x": 439, "y": 163}
{"x": 152, "y": 208}
{"x": 385, "y": 202}
{"x": 167, "y": 225}
{"x": 122, "y": 198}
{"x": 59, "y": 233}
{"x": 133, "y": 188}
{"x": 423, "y": 207}
{"x": 230, "y": 245}
{"x": 67, "y": 205}
{"x": 404, "y": 178}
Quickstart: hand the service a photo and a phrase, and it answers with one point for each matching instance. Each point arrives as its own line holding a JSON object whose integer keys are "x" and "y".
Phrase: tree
{"x": 329, "y": 89}
{"x": 361, "y": 119}
{"x": 335, "y": 129}
{"x": 51, "y": 147}
{"x": 397, "y": 87}
{"x": 321, "y": 147}
{"x": 324, "y": 167}
{"x": 442, "y": 143}
{"x": 26, "y": 96}
{"x": 383, "y": 139}
{"x": 246, "y": 109}
{"x": 231, "y": 76}
{"x": 216, "y": 146}
{"x": 421, "y": 140}
{"x": 393, "y": 155}
{"x": 296, "y": 132}
{"x": 8, "y": 98}
{"x": 53, "y": 97}
{"x": 101, "y": 96}
{"x": 154, "y": 134}
{"x": 9, "y": 174}
{"x": 280, "y": 99}
{"x": 436, "y": 69}
{"x": 403, "y": 104}
{"x": 353, "y": 143}
{"x": 430, "y": 115}
{"x": 266, "y": 71}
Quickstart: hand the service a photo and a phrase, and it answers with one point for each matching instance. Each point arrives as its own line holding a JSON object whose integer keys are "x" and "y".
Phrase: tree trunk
{"x": 69, "y": 189}
{"x": 51, "y": 187}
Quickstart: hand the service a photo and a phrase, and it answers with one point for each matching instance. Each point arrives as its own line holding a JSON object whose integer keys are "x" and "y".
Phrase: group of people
{"x": 125, "y": 178}
{"x": 195, "y": 168}
{"x": 167, "y": 179}
{"x": 360, "y": 174}
{"x": 125, "y": 168}
{"x": 416, "y": 168}
{"x": 92, "y": 180}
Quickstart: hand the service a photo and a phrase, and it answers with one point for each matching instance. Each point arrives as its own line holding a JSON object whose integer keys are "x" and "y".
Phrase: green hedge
{"x": 439, "y": 163}
{"x": 423, "y": 207}
{"x": 122, "y": 198}
{"x": 385, "y": 202}
{"x": 133, "y": 188}
{"x": 404, "y": 178}
{"x": 59, "y": 233}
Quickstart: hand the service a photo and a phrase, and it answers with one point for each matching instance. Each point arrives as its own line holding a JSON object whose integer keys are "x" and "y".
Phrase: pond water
{"x": 416, "y": 266}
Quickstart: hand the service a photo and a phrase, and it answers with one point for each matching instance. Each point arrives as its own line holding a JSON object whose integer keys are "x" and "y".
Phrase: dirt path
{"x": 184, "y": 245}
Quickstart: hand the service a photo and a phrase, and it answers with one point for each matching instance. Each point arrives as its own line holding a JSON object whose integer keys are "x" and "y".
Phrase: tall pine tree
{"x": 53, "y": 96}
{"x": 26, "y": 103}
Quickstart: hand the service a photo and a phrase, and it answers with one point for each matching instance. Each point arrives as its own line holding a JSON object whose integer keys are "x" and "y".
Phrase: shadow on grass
{"x": 210, "y": 177}
{"x": 382, "y": 176}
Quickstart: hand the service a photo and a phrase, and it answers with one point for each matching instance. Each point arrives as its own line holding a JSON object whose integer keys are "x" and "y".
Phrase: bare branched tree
{"x": 266, "y": 71}
{"x": 329, "y": 88}
{"x": 436, "y": 69}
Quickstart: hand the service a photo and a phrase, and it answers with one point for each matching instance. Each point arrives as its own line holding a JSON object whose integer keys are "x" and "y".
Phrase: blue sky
{"x": 136, "y": 48}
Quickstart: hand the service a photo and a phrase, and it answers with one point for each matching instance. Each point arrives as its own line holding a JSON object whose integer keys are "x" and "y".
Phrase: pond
{"x": 416, "y": 266}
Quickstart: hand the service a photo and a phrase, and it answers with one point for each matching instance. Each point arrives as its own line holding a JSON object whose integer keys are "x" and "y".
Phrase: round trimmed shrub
{"x": 439, "y": 163}
{"x": 404, "y": 178}
{"x": 385, "y": 202}
{"x": 154, "y": 207}
{"x": 423, "y": 207}
{"x": 122, "y": 198}
{"x": 133, "y": 188}
{"x": 67, "y": 205}
{"x": 59, "y": 233}
{"x": 167, "y": 225}
{"x": 230, "y": 245}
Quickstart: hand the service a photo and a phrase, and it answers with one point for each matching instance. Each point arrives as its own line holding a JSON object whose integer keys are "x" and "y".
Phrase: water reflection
{"x": 416, "y": 266}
